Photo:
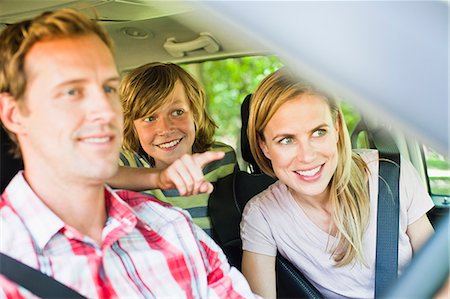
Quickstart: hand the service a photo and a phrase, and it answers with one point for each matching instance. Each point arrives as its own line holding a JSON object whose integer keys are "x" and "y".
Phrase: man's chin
{"x": 102, "y": 174}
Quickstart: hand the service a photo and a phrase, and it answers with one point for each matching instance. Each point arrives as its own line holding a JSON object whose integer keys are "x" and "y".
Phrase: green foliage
{"x": 226, "y": 83}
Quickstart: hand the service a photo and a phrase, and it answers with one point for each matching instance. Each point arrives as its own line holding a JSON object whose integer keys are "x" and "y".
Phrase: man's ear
{"x": 10, "y": 115}
{"x": 263, "y": 147}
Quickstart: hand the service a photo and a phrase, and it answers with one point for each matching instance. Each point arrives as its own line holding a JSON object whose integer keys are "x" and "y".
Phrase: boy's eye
{"x": 149, "y": 119}
{"x": 178, "y": 112}
{"x": 319, "y": 133}
{"x": 286, "y": 140}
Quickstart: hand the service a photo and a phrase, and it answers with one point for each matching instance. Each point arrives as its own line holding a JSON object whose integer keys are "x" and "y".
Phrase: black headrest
{"x": 245, "y": 146}
{"x": 9, "y": 165}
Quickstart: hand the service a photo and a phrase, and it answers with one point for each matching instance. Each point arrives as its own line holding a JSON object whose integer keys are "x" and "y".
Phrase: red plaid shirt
{"x": 149, "y": 250}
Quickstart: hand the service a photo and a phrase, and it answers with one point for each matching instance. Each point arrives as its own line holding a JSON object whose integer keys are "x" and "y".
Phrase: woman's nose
{"x": 306, "y": 152}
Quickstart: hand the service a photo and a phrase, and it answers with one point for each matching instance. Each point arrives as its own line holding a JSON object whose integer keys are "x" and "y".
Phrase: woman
{"x": 321, "y": 213}
{"x": 165, "y": 121}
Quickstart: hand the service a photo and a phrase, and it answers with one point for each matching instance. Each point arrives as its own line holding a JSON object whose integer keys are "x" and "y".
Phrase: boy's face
{"x": 73, "y": 128}
{"x": 169, "y": 133}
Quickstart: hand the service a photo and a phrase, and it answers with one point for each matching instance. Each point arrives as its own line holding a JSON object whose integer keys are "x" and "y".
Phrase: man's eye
{"x": 178, "y": 112}
{"x": 319, "y": 133}
{"x": 72, "y": 92}
{"x": 286, "y": 140}
{"x": 149, "y": 119}
{"x": 109, "y": 89}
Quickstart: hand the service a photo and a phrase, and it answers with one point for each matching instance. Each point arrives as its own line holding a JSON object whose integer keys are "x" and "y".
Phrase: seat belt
{"x": 388, "y": 215}
{"x": 386, "y": 261}
{"x": 33, "y": 280}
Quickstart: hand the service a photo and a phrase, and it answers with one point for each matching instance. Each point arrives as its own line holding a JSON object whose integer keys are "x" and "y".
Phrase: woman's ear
{"x": 10, "y": 114}
{"x": 263, "y": 147}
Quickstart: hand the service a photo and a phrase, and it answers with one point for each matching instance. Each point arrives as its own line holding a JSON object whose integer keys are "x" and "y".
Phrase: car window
{"x": 438, "y": 173}
{"x": 226, "y": 83}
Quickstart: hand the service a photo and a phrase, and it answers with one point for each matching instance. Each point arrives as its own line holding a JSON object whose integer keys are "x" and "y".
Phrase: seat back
{"x": 9, "y": 165}
{"x": 226, "y": 205}
{"x": 245, "y": 145}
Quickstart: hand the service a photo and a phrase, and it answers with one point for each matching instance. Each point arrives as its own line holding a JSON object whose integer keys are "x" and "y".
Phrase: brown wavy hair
{"x": 17, "y": 39}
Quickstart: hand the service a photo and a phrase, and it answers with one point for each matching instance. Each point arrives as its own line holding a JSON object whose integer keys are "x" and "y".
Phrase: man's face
{"x": 73, "y": 127}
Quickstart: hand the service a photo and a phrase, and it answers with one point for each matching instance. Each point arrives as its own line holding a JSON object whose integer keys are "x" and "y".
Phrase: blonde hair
{"x": 147, "y": 88}
{"x": 17, "y": 39}
{"x": 348, "y": 186}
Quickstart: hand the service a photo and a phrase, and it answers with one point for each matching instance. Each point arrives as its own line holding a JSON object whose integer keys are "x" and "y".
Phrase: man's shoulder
{"x": 152, "y": 210}
{"x": 135, "y": 199}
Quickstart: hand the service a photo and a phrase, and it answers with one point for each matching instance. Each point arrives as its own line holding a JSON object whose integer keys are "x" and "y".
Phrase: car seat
{"x": 226, "y": 205}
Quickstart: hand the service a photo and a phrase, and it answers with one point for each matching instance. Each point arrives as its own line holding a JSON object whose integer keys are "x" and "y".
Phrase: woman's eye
{"x": 286, "y": 140}
{"x": 178, "y": 112}
{"x": 319, "y": 133}
{"x": 149, "y": 119}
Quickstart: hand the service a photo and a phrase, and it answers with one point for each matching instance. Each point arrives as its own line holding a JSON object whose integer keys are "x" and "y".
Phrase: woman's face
{"x": 169, "y": 133}
{"x": 301, "y": 142}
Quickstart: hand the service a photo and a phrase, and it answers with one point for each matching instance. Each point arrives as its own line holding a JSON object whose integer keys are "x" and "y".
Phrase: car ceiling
{"x": 388, "y": 57}
{"x": 140, "y": 28}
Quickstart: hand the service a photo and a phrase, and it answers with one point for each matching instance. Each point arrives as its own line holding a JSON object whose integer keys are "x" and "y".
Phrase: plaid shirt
{"x": 149, "y": 250}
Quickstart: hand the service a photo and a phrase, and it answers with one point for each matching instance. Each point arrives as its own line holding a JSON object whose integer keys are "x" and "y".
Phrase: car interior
{"x": 193, "y": 34}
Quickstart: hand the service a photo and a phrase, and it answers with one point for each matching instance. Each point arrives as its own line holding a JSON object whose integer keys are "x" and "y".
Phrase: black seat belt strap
{"x": 386, "y": 263}
{"x": 33, "y": 280}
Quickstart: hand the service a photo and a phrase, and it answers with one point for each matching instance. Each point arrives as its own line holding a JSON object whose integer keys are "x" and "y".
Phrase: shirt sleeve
{"x": 224, "y": 281}
{"x": 417, "y": 199}
{"x": 215, "y": 170}
{"x": 256, "y": 233}
{"x": 126, "y": 159}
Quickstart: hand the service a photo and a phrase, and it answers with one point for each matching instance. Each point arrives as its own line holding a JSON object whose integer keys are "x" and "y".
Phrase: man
{"x": 58, "y": 99}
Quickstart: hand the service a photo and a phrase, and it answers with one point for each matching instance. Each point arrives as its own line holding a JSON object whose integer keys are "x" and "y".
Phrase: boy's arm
{"x": 185, "y": 174}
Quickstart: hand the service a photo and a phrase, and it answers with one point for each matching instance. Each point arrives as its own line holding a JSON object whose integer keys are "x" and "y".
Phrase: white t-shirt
{"x": 273, "y": 220}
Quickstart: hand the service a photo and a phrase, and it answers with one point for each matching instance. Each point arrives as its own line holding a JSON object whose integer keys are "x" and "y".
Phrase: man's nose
{"x": 103, "y": 107}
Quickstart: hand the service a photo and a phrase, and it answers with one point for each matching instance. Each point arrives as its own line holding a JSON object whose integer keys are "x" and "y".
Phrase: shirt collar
{"x": 39, "y": 220}
{"x": 118, "y": 209}
{"x": 43, "y": 224}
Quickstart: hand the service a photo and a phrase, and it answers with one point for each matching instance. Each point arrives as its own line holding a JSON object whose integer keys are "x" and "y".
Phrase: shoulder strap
{"x": 33, "y": 280}
{"x": 386, "y": 262}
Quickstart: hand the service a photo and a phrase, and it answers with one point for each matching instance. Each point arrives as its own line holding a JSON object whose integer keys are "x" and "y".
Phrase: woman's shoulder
{"x": 270, "y": 196}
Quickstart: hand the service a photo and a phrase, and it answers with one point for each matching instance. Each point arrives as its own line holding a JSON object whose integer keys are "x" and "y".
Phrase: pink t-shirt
{"x": 273, "y": 220}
